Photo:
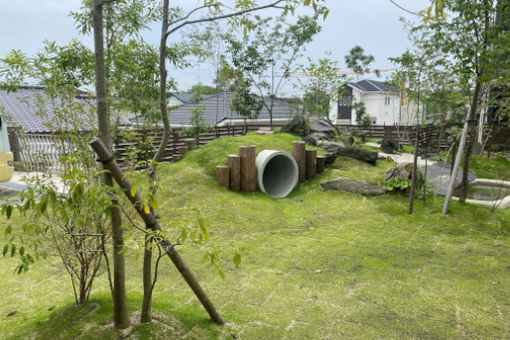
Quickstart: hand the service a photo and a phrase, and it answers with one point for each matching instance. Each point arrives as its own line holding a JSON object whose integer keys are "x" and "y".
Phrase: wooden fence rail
{"x": 42, "y": 151}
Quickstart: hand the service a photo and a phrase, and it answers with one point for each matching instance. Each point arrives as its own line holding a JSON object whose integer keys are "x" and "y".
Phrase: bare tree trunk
{"x": 121, "y": 319}
{"x": 453, "y": 176}
{"x": 415, "y": 171}
{"x": 147, "y": 256}
{"x": 472, "y": 132}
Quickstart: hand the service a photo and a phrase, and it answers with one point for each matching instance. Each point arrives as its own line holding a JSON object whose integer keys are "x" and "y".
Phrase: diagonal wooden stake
{"x": 110, "y": 164}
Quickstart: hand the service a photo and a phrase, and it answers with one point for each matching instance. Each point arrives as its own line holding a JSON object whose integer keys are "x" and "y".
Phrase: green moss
{"x": 315, "y": 265}
{"x": 495, "y": 168}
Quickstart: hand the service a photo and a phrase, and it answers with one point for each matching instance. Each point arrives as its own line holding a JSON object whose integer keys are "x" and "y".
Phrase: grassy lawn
{"x": 322, "y": 265}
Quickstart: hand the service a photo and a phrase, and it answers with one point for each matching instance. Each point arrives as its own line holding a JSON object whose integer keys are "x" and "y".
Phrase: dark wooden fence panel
{"x": 29, "y": 149}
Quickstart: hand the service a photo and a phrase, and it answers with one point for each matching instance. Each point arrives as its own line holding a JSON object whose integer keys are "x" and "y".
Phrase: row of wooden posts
{"x": 240, "y": 171}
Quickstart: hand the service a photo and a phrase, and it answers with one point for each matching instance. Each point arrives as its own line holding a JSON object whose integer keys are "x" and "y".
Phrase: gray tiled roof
{"x": 217, "y": 108}
{"x": 24, "y": 107}
{"x": 183, "y": 97}
{"x": 372, "y": 86}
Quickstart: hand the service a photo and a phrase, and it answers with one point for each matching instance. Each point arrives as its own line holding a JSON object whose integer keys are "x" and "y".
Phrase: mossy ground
{"x": 321, "y": 265}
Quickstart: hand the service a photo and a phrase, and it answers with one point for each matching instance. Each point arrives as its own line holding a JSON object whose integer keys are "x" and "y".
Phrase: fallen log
{"x": 363, "y": 155}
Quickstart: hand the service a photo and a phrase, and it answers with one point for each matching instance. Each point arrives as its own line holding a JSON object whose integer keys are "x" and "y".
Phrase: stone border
{"x": 502, "y": 203}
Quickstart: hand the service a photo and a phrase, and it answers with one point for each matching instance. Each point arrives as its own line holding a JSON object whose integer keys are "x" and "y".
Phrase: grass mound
{"x": 315, "y": 265}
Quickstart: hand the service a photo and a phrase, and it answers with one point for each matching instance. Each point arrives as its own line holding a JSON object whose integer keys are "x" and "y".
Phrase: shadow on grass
{"x": 94, "y": 320}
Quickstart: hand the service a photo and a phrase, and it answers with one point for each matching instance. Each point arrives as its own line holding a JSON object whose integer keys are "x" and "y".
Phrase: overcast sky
{"x": 372, "y": 24}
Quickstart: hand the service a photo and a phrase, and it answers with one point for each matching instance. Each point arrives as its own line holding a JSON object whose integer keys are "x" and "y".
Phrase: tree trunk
{"x": 147, "y": 255}
{"x": 121, "y": 319}
{"x": 453, "y": 176}
{"x": 472, "y": 133}
{"x": 415, "y": 170}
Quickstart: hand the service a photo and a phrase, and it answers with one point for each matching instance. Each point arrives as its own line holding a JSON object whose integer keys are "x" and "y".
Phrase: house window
{"x": 387, "y": 101}
{"x": 345, "y": 101}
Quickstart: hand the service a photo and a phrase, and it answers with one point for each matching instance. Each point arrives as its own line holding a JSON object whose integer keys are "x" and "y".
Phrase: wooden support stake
{"x": 311, "y": 163}
{"x": 222, "y": 175}
{"x": 150, "y": 221}
{"x": 234, "y": 165}
{"x": 248, "y": 168}
{"x": 298, "y": 150}
{"x": 191, "y": 143}
{"x": 321, "y": 164}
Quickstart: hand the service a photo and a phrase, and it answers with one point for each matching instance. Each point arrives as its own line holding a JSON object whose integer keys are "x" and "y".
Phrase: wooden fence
{"x": 41, "y": 152}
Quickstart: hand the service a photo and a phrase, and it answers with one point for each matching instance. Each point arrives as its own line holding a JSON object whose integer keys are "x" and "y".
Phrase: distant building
{"x": 382, "y": 103}
{"x": 31, "y": 110}
{"x": 177, "y": 99}
{"x": 217, "y": 111}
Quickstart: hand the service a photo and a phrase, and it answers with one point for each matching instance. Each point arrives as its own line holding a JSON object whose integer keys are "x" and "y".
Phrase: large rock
{"x": 315, "y": 138}
{"x": 363, "y": 155}
{"x": 438, "y": 177}
{"x": 390, "y": 146}
{"x": 353, "y": 185}
{"x": 321, "y": 125}
{"x": 297, "y": 126}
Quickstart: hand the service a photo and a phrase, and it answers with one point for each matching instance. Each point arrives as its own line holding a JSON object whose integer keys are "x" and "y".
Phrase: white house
{"x": 382, "y": 103}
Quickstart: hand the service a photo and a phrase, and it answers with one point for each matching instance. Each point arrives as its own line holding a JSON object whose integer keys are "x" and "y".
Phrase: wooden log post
{"x": 234, "y": 166}
{"x": 321, "y": 164}
{"x": 182, "y": 150}
{"x": 311, "y": 163}
{"x": 299, "y": 153}
{"x": 248, "y": 168}
{"x": 151, "y": 222}
{"x": 222, "y": 175}
{"x": 191, "y": 143}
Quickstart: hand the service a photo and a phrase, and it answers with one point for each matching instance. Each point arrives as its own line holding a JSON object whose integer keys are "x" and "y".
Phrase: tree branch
{"x": 190, "y": 13}
{"x": 224, "y": 16}
{"x": 405, "y": 9}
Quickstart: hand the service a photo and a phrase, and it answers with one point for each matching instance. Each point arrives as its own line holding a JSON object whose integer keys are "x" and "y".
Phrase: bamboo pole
{"x": 311, "y": 163}
{"x": 222, "y": 175}
{"x": 248, "y": 168}
{"x": 234, "y": 165}
{"x": 299, "y": 153}
{"x": 111, "y": 165}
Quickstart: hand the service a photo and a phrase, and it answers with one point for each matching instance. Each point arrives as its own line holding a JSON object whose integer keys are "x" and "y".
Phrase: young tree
{"x": 470, "y": 44}
{"x": 358, "y": 61}
{"x": 321, "y": 86}
{"x": 121, "y": 318}
{"x": 173, "y": 19}
{"x": 272, "y": 44}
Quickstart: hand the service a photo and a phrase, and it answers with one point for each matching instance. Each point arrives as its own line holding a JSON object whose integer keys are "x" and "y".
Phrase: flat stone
{"x": 353, "y": 185}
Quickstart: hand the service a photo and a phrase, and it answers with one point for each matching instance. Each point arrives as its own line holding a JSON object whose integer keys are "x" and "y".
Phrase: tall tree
{"x": 358, "y": 61}
{"x": 121, "y": 318}
{"x": 174, "y": 19}
{"x": 273, "y": 44}
{"x": 469, "y": 44}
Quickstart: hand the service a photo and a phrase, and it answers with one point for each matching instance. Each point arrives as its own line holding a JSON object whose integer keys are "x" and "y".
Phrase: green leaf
{"x": 154, "y": 203}
{"x": 8, "y": 211}
{"x": 22, "y": 251}
{"x": 221, "y": 273}
{"x": 13, "y": 250}
{"x": 6, "y": 249}
{"x": 237, "y": 259}
{"x": 133, "y": 191}
{"x": 8, "y": 230}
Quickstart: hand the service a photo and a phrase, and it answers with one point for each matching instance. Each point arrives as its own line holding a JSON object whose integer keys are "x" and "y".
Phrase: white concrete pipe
{"x": 277, "y": 173}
